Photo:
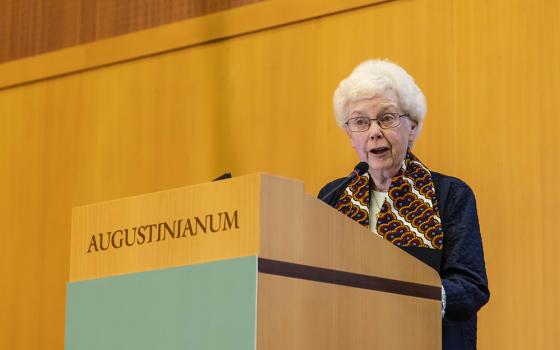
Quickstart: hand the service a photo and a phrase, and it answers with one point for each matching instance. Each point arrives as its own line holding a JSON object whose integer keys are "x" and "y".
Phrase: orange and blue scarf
{"x": 409, "y": 216}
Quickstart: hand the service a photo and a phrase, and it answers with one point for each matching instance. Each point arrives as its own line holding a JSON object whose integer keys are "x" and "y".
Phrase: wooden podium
{"x": 249, "y": 262}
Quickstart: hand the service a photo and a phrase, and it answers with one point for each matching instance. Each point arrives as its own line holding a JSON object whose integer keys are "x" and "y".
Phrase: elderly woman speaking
{"x": 430, "y": 215}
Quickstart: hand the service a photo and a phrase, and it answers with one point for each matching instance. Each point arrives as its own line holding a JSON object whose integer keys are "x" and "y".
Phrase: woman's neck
{"x": 382, "y": 179}
{"x": 381, "y": 184}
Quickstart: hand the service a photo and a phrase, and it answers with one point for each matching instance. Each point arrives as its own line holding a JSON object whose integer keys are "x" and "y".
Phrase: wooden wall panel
{"x": 262, "y": 102}
{"x": 31, "y": 27}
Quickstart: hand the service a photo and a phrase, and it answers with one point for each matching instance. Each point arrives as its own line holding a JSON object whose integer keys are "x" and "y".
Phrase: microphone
{"x": 359, "y": 170}
{"x": 223, "y": 177}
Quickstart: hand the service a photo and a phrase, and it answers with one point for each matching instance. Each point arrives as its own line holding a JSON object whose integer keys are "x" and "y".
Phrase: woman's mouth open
{"x": 379, "y": 150}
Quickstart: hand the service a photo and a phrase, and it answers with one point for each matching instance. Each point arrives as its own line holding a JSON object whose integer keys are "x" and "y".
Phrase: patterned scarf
{"x": 409, "y": 216}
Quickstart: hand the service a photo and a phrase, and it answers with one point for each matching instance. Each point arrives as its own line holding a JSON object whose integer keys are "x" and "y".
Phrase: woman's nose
{"x": 374, "y": 131}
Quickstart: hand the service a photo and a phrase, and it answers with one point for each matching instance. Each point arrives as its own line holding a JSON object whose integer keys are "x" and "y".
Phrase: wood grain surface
{"x": 206, "y": 222}
{"x": 262, "y": 101}
{"x": 32, "y": 27}
{"x": 298, "y": 314}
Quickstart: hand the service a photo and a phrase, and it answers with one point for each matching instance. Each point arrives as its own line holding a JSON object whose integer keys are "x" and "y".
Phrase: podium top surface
{"x": 254, "y": 215}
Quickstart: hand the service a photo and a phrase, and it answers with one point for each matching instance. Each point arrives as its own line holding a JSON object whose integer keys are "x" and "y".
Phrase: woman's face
{"x": 383, "y": 149}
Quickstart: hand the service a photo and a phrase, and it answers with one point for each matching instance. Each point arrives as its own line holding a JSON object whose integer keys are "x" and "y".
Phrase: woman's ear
{"x": 413, "y": 131}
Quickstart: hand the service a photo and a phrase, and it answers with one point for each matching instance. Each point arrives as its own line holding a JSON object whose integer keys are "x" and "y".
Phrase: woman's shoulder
{"x": 332, "y": 199}
{"x": 444, "y": 186}
{"x": 452, "y": 193}
{"x": 445, "y": 183}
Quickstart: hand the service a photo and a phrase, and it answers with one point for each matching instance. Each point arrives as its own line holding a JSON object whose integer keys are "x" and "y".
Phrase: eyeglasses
{"x": 385, "y": 121}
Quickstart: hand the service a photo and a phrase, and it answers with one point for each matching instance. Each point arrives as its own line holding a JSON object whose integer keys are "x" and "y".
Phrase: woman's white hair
{"x": 375, "y": 77}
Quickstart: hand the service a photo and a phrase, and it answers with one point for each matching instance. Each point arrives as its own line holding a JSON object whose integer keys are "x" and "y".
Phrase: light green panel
{"x": 205, "y": 306}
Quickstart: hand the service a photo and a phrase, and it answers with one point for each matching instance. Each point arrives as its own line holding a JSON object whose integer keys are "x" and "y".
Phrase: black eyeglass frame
{"x": 377, "y": 121}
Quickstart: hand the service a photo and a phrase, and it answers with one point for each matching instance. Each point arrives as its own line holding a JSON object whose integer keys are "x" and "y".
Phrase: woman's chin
{"x": 378, "y": 166}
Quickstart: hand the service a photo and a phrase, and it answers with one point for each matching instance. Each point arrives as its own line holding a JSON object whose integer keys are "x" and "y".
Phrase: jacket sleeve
{"x": 463, "y": 271}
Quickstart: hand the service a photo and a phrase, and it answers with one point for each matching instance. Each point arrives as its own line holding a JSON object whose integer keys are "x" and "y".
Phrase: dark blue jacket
{"x": 460, "y": 263}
